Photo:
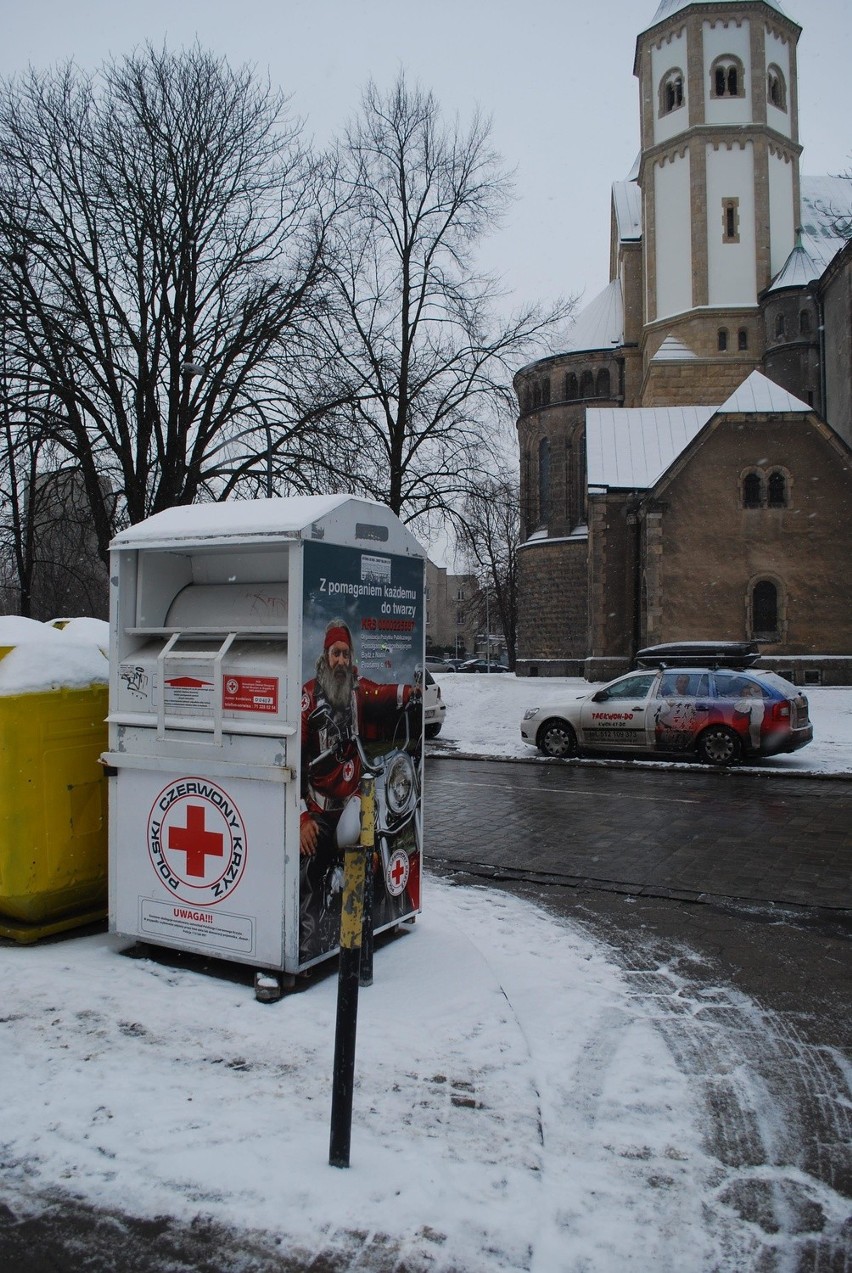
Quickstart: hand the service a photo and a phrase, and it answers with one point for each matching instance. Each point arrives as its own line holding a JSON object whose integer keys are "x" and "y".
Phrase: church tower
{"x": 719, "y": 181}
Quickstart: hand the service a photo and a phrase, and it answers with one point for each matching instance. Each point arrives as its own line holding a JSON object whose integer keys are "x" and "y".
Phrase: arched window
{"x": 779, "y": 327}
{"x": 722, "y": 340}
{"x": 776, "y": 488}
{"x": 804, "y": 323}
{"x": 742, "y": 338}
{"x": 776, "y": 87}
{"x": 543, "y": 481}
{"x": 587, "y": 385}
{"x": 570, "y": 386}
{"x": 671, "y": 91}
{"x": 545, "y": 392}
{"x": 726, "y": 77}
{"x": 764, "y": 610}
{"x": 602, "y": 383}
{"x": 751, "y": 490}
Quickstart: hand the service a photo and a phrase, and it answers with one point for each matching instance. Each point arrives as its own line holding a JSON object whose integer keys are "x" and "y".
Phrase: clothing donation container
{"x": 265, "y": 655}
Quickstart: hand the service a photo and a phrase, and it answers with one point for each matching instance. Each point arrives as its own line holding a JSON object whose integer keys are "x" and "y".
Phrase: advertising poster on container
{"x": 363, "y": 638}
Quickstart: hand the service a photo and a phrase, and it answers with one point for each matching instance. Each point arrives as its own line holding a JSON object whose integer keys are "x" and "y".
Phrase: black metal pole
{"x": 351, "y": 929}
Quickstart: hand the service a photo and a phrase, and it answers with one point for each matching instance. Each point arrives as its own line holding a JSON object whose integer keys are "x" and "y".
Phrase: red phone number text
{"x": 387, "y": 625}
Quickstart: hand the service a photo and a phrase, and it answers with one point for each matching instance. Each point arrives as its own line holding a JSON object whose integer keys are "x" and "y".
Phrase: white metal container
{"x": 218, "y": 617}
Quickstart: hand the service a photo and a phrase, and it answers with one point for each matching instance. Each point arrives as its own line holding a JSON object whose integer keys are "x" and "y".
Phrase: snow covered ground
{"x": 521, "y": 1102}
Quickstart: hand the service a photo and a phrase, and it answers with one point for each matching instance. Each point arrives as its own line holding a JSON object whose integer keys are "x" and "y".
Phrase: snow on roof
{"x": 798, "y": 270}
{"x": 254, "y": 518}
{"x": 601, "y": 324}
{"x": 631, "y": 447}
{"x": 824, "y": 199}
{"x": 759, "y": 394}
{"x": 673, "y": 350}
{"x": 627, "y": 206}
{"x": 668, "y": 7}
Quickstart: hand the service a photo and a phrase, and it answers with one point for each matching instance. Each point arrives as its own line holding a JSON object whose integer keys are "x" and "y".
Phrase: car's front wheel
{"x": 719, "y": 746}
{"x": 556, "y": 738}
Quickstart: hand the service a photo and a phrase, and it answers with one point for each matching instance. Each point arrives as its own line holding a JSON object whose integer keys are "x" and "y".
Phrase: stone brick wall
{"x": 553, "y": 615}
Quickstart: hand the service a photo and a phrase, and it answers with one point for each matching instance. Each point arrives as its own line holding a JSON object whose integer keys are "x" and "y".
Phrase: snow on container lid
{"x": 28, "y": 668}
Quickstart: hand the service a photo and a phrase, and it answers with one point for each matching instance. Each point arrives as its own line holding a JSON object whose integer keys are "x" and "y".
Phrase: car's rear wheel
{"x": 556, "y": 738}
{"x": 432, "y": 731}
{"x": 719, "y": 745}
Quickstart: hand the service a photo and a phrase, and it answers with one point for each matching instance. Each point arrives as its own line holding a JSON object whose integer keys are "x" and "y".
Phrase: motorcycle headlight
{"x": 399, "y": 783}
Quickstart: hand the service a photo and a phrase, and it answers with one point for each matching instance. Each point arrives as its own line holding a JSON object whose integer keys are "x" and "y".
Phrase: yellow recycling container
{"x": 53, "y": 810}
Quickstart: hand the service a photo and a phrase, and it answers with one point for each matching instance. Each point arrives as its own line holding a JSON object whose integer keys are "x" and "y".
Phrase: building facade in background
{"x": 686, "y": 470}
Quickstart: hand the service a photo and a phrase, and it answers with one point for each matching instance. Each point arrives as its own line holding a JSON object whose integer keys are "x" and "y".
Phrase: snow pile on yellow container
{"x": 53, "y": 793}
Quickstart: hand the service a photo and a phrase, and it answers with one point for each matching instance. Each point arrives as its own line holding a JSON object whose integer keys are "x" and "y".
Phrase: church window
{"x": 752, "y": 490}
{"x": 726, "y": 77}
{"x": 602, "y": 383}
{"x": 722, "y": 340}
{"x": 764, "y": 610}
{"x": 730, "y": 220}
{"x": 742, "y": 338}
{"x": 671, "y": 91}
{"x": 804, "y": 323}
{"x": 779, "y": 327}
{"x": 777, "y": 489}
{"x": 570, "y": 386}
{"x": 776, "y": 87}
{"x": 545, "y": 392}
{"x": 543, "y": 481}
{"x": 587, "y": 385}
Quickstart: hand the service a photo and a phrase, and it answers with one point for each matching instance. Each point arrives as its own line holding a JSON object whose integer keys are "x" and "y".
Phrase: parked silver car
{"x": 719, "y": 714}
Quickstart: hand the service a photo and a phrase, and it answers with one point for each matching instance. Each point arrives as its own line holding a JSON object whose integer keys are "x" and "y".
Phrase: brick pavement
{"x": 703, "y": 835}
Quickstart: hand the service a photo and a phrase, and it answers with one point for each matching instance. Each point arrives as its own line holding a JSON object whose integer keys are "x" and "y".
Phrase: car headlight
{"x": 399, "y": 783}
{"x": 530, "y": 712}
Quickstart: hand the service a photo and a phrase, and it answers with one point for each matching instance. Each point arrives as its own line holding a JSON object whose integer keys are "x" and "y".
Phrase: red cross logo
{"x": 195, "y": 842}
{"x": 397, "y": 872}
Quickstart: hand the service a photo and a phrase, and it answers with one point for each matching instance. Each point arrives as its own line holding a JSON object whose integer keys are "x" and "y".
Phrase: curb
{"x": 639, "y": 764}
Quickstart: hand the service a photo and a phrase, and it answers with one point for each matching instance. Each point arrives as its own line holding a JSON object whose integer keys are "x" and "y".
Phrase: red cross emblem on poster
{"x": 397, "y": 873}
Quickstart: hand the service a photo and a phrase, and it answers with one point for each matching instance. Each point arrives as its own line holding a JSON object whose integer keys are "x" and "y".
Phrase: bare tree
{"x": 488, "y": 536}
{"x": 162, "y": 231}
{"x": 414, "y": 328}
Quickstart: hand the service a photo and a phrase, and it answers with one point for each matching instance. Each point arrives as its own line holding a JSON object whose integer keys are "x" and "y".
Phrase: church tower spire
{"x": 719, "y": 176}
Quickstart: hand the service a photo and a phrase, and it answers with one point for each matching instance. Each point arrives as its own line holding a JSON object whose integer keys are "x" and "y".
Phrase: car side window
{"x": 684, "y": 685}
{"x": 735, "y": 685}
{"x": 630, "y": 687}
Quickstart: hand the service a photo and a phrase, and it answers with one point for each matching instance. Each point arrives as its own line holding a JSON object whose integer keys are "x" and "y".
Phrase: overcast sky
{"x": 556, "y": 76}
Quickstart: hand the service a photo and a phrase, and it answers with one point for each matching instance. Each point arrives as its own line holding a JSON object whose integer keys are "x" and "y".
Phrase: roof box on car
{"x": 736, "y": 654}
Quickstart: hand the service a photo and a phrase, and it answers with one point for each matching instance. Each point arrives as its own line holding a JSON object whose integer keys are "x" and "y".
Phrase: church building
{"x": 686, "y": 462}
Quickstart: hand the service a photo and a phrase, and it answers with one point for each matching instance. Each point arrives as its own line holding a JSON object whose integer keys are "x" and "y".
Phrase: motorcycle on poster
{"x": 363, "y": 633}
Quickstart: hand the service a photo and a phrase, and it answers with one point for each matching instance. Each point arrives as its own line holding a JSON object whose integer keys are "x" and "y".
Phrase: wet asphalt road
{"x": 655, "y": 831}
